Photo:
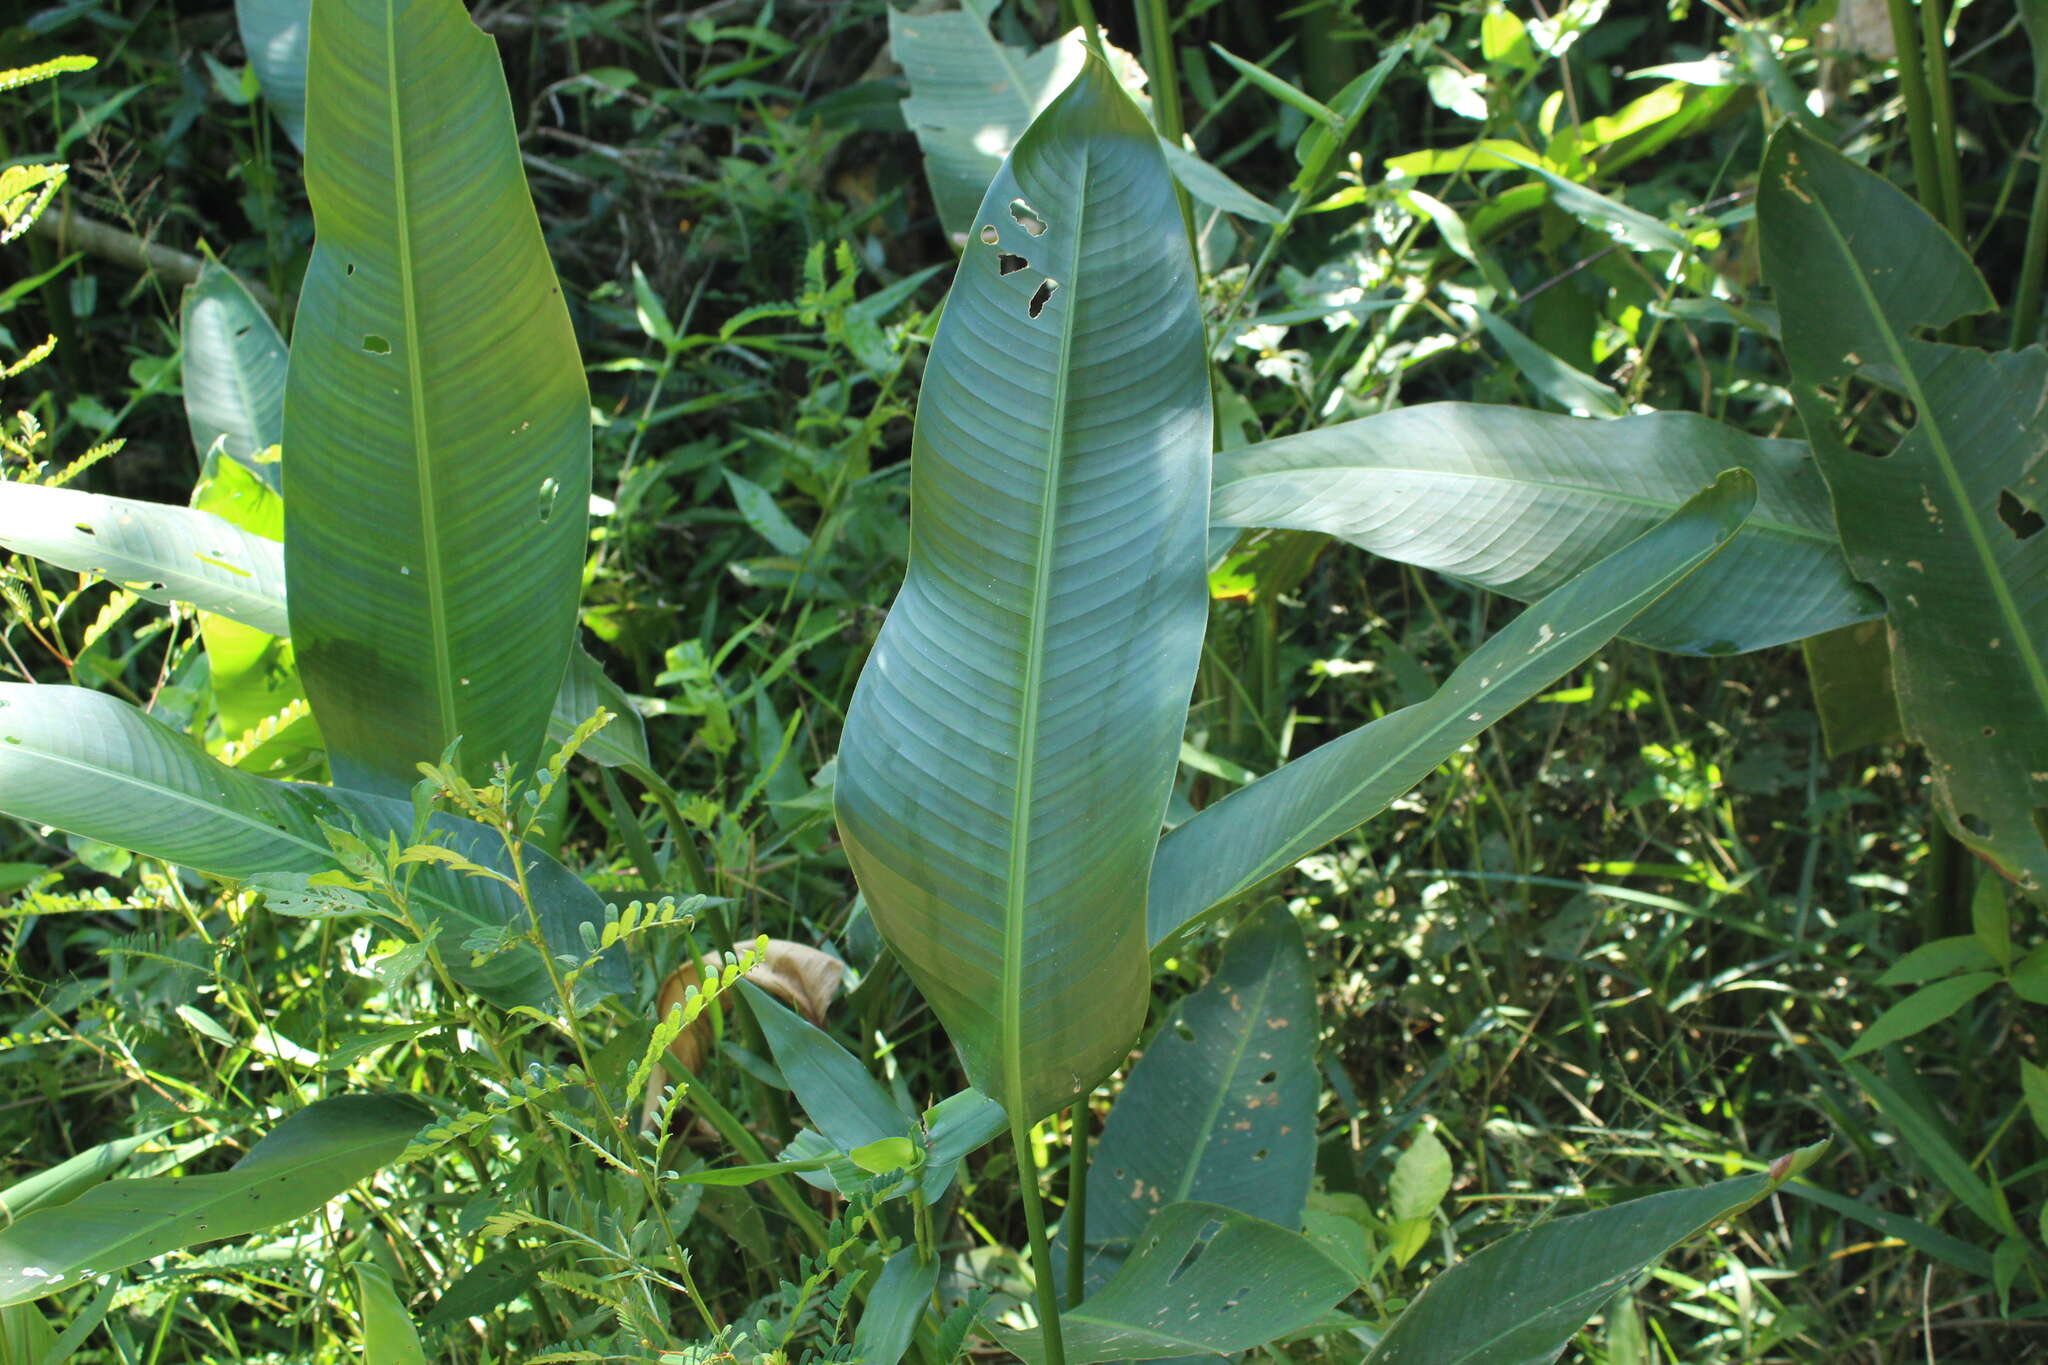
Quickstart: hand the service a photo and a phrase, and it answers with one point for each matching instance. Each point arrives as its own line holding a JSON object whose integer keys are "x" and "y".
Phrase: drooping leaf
{"x": 1569, "y": 387}
{"x": 1520, "y": 1301}
{"x": 274, "y": 35}
{"x": 95, "y": 766}
{"x": 1850, "y": 670}
{"x": 902, "y": 1293}
{"x": 63, "y": 1182}
{"x": 1921, "y": 1010}
{"x": 1011, "y": 743}
{"x": 233, "y": 371}
{"x": 1201, "y": 1280}
{"x": 1284, "y": 816}
{"x": 1221, "y": 1107}
{"x": 1520, "y": 501}
{"x": 163, "y": 552}
{"x": 308, "y": 1159}
{"x": 1947, "y": 523}
{"x": 437, "y": 425}
{"x": 389, "y": 1338}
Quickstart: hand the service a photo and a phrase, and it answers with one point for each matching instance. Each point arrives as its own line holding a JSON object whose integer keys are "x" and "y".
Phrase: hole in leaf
{"x": 1027, "y": 218}
{"x": 81, "y": 526}
{"x": 989, "y": 235}
{"x": 549, "y": 487}
{"x": 1009, "y": 265}
{"x": 1043, "y": 293}
{"x": 2023, "y": 521}
{"x": 376, "y": 345}
{"x": 1975, "y": 825}
{"x": 1269, "y": 1078}
{"x": 1262, "y": 1154}
{"x": 242, "y": 331}
{"x": 350, "y": 268}
{"x": 1182, "y": 1031}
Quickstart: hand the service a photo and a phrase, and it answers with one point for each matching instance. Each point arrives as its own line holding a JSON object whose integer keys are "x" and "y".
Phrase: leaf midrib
{"x": 430, "y": 540}
{"x": 1937, "y": 439}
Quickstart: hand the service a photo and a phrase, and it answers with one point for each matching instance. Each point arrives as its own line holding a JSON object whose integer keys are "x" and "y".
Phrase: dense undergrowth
{"x": 1618, "y": 944}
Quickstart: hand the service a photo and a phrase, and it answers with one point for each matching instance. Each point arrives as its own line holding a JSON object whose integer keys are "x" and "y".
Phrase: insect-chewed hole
{"x": 376, "y": 345}
{"x": 81, "y": 526}
{"x": 1042, "y": 295}
{"x": 1262, "y": 1154}
{"x": 2023, "y": 521}
{"x": 1976, "y": 825}
{"x": 349, "y": 269}
{"x": 1008, "y": 264}
{"x": 549, "y": 487}
{"x": 1269, "y": 1078}
{"x": 1182, "y": 1031}
{"x": 989, "y": 235}
{"x": 243, "y": 331}
{"x": 1027, "y": 218}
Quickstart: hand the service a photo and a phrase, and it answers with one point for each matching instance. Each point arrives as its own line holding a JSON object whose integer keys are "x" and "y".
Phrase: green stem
{"x": 1155, "y": 51}
{"x": 1919, "y": 110}
{"x": 1076, "y": 1220}
{"x": 1934, "y": 37}
{"x": 1084, "y": 15}
{"x": 1041, "y": 1250}
{"x": 2026, "y": 304}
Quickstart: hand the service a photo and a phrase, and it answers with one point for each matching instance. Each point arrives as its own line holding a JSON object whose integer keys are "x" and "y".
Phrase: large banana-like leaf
{"x": 1523, "y": 1299}
{"x": 274, "y": 35}
{"x": 437, "y": 426}
{"x": 1284, "y": 816}
{"x": 1946, "y": 524}
{"x": 186, "y": 554}
{"x": 163, "y": 552}
{"x": 233, "y": 371}
{"x": 93, "y": 765}
{"x": 1011, "y": 743}
{"x": 1519, "y": 501}
{"x": 308, "y": 1159}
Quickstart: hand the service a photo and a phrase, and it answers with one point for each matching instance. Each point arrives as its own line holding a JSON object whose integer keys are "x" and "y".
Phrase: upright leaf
{"x": 901, "y": 1295}
{"x": 389, "y": 1338}
{"x": 1221, "y": 1108}
{"x": 1947, "y": 523}
{"x": 233, "y": 371}
{"x": 308, "y": 1159}
{"x": 1520, "y": 1301}
{"x": 1284, "y": 816}
{"x": 1012, "y": 740}
{"x": 274, "y": 35}
{"x": 95, "y": 766}
{"x": 1519, "y": 501}
{"x": 437, "y": 426}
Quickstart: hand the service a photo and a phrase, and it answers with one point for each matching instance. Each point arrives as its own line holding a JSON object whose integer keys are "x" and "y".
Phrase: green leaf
{"x": 65, "y": 1181}
{"x": 1573, "y": 390}
{"x": 2034, "y": 1086}
{"x": 901, "y": 1294}
{"x": 1850, "y": 668}
{"x": 308, "y": 1159}
{"x": 1520, "y": 1301}
{"x": 1945, "y": 525}
{"x": 389, "y": 1337}
{"x": 884, "y": 1155}
{"x": 1939, "y": 958}
{"x": 1923, "y": 1009}
{"x": 1007, "y": 755}
{"x": 95, "y": 766}
{"x": 1203, "y": 1280}
{"x": 1631, "y": 227}
{"x": 233, "y": 365}
{"x": 1520, "y": 501}
{"x": 26, "y": 1336}
{"x": 498, "y": 1278}
{"x": 437, "y": 480}
{"x": 163, "y": 552}
{"x": 1286, "y": 815}
{"x": 1927, "y": 1138}
{"x": 274, "y": 35}
{"x": 1422, "y": 1177}
{"x": 1221, "y": 1107}
{"x": 849, "y": 1106}
{"x": 1990, "y": 920}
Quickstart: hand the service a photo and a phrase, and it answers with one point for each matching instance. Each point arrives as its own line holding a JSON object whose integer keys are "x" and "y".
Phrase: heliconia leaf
{"x": 1519, "y": 501}
{"x": 1201, "y": 1280}
{"x": 308, "y": 1159}
{"x": 233, "y": 366}
{"x": 1850, "y": 671}
{"x": 1284, "y": 816}
{"x": 1520, "y": 1301}
{"x": 95, "y": 766}
{"x": 1221, "y": 1107}
{"x": 274, "y": 35}
{"x": 437, "y": 424}
{"x": 389, "y": 1338}
{"x": 164, "y": 553}
{"x": 1946, "y": 524}
{"x": 1011, "y": 743}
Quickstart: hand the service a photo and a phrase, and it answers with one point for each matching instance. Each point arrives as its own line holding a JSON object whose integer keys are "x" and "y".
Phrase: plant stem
{"x": 1076, "y": 1220}
{"x": 1155, "y": 51}
{"x": 1084, "y": 15}
{"x": 2026, "y": 303}
{"x": 1919, "y": 112}
{"x": 1942, "y": 92}
{"x": 1041, "y": 1250}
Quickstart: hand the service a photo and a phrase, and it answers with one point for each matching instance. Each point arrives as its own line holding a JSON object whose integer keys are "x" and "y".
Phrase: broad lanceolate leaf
{"x": 233, "y": 371}
{"x": 165, "y": 553}
{"x": 1520, "y": 1301}
{"x": 308, "y": 1159}
{"x": 899, "y": 1298}
{"x": 274, "y": 35}
{"x": 1202, "y": 1280}
{"x": 1519, "y": 501}
{"x": 389, "y": 1338}
{"x": 1288, "y": 814}
{"x": 437, "y": 426}
{"x": 1221, "y": 1108}
{"x": 1012, "y": 740}
{"x": 1947, "y": 524}
{"x": 849, "y": 1106}
{"x": 95, "y": 766}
